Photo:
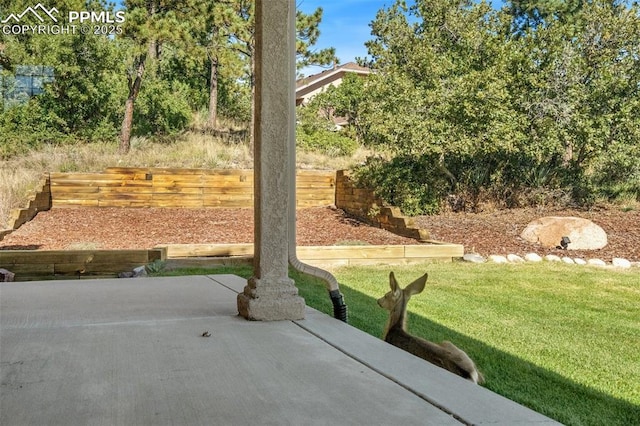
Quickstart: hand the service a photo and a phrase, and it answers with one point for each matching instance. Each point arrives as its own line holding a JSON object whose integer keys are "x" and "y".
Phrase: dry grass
{"x": 15, "y": 186}
{"x": 194, "y": 149}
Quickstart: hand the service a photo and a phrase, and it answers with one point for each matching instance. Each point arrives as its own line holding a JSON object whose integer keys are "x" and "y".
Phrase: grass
{"x": 560, "y": 340}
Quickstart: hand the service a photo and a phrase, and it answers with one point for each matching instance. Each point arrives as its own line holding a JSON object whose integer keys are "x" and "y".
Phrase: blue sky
{"x": 345, "y": 25}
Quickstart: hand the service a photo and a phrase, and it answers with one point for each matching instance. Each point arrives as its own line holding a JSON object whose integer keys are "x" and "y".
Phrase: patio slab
{"x": 122, "y": 352}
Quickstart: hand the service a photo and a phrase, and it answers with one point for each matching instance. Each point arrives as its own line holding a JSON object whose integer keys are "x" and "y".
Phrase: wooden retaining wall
{"x": 39, "y": 200}
{"x": 68, "y": 264}
{"x": 191, "y": 188}
{"x": 193, "y": 255}
{"x": 364, "y": 205}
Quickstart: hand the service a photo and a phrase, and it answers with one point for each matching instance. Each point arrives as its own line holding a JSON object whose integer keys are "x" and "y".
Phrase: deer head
{"x": 395, "y": 301}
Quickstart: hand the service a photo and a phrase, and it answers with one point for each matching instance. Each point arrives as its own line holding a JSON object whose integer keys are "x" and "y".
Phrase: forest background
{"x": 537, "y": 103}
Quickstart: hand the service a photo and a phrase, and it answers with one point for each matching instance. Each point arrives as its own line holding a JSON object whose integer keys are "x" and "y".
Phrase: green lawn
{"x": 561, "y": 339}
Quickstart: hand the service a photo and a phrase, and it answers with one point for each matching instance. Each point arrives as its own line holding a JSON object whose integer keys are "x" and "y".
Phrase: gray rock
{"x": 579, "y": 261}
{"x": 473, "y": 258}
{"x": 552, "y": 258}
{"x": 548, "y": 231}
{"x": 140, "y": 271}
{"x": 514, "y": 258}
{"x": 619, "y": 262}
{"x": 496, "y": 258}
{"x": 532, "y": 257}
{"x": 6, "y": 276}
{"x": 568, "y": 260}
{"x": 596, "y": 262}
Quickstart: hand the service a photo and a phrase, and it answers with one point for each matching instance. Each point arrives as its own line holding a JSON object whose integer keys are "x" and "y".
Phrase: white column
{"x": 270, "y": 294}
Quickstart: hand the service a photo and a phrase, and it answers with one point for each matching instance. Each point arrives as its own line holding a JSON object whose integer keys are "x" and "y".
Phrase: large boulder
{"x": 548, "y": 231}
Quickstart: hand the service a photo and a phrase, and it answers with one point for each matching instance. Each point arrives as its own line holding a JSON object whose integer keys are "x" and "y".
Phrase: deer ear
{"x": 418, "y": 285}
{"x": 392, "y": 282}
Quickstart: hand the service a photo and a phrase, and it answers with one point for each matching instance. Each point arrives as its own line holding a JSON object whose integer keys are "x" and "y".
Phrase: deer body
{"x": 445, "y": 354}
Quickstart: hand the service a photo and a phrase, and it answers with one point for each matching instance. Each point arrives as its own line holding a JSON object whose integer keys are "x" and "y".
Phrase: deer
{"x": 445, "y": 354}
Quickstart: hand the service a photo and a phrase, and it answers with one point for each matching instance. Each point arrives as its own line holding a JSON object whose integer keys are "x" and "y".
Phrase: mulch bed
{"x": 483, "y": 233}
{"x": 143, "y": 228}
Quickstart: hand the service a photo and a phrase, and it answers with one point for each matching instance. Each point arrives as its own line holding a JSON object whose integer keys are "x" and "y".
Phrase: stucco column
{"x": 270, "y": 294}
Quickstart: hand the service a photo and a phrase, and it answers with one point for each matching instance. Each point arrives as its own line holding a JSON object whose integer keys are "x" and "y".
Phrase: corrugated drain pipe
{"x": 337, "y": 299}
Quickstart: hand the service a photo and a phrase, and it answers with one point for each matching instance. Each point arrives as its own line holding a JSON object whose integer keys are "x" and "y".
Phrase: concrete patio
{"x": 132, "y": 352}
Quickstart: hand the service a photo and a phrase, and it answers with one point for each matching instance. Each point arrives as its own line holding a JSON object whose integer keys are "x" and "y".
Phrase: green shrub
{"x": 162, "y": 108}
{"x": 28, "y": 126}
{"x": 325, "y": 142}
{"x": 416, "y": 185}
{"x": 617, "y": 176}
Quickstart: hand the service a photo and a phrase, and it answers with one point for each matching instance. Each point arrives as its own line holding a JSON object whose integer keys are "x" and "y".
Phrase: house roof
{"x": 307, "y": 84}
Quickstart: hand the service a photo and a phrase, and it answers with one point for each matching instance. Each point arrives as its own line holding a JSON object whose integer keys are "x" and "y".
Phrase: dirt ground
{"x": 484, "y": 233}
{"x": 499, "y": 232}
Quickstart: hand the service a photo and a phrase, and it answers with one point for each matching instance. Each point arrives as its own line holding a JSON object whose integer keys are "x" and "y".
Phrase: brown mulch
{"x": 142, "y": 228}
{"x": 498, "y": 232}
{"x": 484, "y": 233}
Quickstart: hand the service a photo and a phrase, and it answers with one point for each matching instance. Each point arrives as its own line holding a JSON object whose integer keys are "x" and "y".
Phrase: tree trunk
{"x": 213, "y": 94}
{"x": 127, "y": 122}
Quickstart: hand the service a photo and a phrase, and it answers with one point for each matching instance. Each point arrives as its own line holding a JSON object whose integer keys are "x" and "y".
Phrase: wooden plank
{"x": 207, "y": 262}
{"x": 214, "y": 203}
{"x": 74, "y": 203}
{"x": 314, "y": 195}
{"x": 147, "y": 189}
{"x": 218, "y": 185}
{"x": 318, "y": 173}
{"x": 126, "y": 203}
{"x": 173, "y": 203}
{"x": 46, "y": 264}
{"x": 79, "y": 196}
{"x": 177, "y": 198}
{"x": 140, "y": 171}
{"x": 126, "y": 183}
{"x": 314, "y": 187}
{"x": 93, "y": 177}
{"x": 228, "y": 197}
{"x": 125, "y": 196}
{"x": 239, "y": 178}
{"x": 95, "y": 267}
{"x": 178, "y": 184}
{"x": 228, "y": 190}
{"x": 34, "y": 257}
{"x": 434, "y": 250}
{"x": 169, "y": 180}
{"x": 176, "y": 171}
{"x": 350, "y": 252}
{"x": 397, "y": 261}
{"x": 62, "y": 191}
{"x": 326, "y": 263}
{"x": 177, "y": 190}
{"x": 315, "y": 180}
{"x": 303, "y": 204}
{"x": 208, "y": 250}
{"x": 99, "y": 183}
{"x": 102, "y": 256}
{"x": 30, "y": 269}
